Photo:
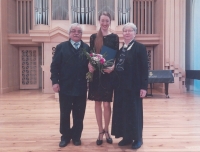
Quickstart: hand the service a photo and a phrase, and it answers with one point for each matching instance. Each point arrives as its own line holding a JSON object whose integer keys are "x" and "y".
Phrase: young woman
{"x": 101, "y": 89}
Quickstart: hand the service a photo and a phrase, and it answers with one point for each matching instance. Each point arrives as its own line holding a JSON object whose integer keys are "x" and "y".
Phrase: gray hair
{"x": 74, "y": 25}
{"x": 132, "y": 25}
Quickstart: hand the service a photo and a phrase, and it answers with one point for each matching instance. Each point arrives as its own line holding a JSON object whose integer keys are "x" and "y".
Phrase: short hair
{"x": 74, "y": 25}
{"x": 132, "y": 25}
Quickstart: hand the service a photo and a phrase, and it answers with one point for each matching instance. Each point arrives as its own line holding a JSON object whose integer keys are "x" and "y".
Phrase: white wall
{"x": 192, "y": 41}
{"x": 196, "y": 40}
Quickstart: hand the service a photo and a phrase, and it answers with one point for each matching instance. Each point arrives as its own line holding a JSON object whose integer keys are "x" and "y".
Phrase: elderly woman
{"x": 131, "y": 84}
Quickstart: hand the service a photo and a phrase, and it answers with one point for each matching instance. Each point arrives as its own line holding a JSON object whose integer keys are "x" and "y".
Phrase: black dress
{"x": 127, "y": 118}
{"x": 101, "y": 88}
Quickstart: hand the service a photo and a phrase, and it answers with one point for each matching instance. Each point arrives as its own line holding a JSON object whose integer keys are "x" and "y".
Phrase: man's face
{"x": 75, "y": 33}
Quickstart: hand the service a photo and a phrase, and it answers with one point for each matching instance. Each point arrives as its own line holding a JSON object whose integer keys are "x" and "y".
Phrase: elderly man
{"x": 68, "y": 75}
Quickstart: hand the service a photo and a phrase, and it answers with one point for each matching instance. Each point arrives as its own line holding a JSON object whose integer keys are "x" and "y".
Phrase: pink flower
{"x": 91, "y": 54}
{"x": 102, "y": 60}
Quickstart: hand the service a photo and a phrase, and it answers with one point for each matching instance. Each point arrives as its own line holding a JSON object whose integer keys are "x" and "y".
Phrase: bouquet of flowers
{"x": 98, "y": 62}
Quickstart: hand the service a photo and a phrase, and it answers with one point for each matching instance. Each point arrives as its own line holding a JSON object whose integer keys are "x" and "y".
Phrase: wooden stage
{"x": 29, "y": 122}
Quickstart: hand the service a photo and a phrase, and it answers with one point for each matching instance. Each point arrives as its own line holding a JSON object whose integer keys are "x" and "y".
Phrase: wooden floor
{"x": 29, "y": 122}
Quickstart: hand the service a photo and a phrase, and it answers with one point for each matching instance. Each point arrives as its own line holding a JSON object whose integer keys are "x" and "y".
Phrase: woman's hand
{"x": 56, "y": 87}
{"x": 109, "y": 69}
{"x": 143, "y": 93}
{"x": 91, "y": 68}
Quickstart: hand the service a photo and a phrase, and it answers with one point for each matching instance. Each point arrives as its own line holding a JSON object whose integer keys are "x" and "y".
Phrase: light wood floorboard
{"x": 29, "y": 122}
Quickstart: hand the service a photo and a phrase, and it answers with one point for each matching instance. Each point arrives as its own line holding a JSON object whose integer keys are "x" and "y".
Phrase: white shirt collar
{"x": 72, "y": 42}
{"x": 127, "y": 45}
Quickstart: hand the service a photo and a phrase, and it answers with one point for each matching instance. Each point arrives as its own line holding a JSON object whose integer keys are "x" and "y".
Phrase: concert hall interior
{"x": 31, "y": 29}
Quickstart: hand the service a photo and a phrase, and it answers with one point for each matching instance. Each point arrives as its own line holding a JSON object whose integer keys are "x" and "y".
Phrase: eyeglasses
{"x": 128, "y": 31}
{"x": 74, "y": 31}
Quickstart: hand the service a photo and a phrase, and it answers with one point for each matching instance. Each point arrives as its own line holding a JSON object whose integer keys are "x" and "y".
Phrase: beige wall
{"x": 9, "y": 54}
{"x": 4, "y": 44}
{"x": 174, "y": 41}
{"x": 13, "y": 68}
{"x": 168, "y": 44}
{"x": 158, "y": 50}
{"x": 13, "y": 53}
{"x": 47, "y": 88}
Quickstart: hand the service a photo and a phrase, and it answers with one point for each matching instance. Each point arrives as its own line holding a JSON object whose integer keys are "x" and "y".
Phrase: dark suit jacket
{"x": 69, "y": 68}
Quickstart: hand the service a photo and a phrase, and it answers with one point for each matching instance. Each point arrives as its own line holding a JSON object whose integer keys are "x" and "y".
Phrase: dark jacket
{"x": 136, "y": 68}
{"x": 69, "y": 68}
{"x": 127, "y": 120}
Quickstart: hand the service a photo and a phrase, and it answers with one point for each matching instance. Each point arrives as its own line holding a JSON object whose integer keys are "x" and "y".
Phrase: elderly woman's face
{"x": 128, "y": 33}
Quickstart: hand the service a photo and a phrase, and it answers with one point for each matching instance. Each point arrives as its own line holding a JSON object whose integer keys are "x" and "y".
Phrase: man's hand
{"x": 56, "y": 88}
{"x": 143, "y": 93}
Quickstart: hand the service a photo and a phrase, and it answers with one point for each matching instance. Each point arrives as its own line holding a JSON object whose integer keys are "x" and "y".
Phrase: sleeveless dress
{"x": 101, "y": 88}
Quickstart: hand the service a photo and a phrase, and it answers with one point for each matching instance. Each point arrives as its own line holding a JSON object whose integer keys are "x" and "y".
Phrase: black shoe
{"x": 76, "y": 143}
{"x": 109, "y": 139}
{"x": 99, "y": 142}
{"x": 137, "y": 144}
{"x": 125, "y": 142}
{"x": 63, "y": 143}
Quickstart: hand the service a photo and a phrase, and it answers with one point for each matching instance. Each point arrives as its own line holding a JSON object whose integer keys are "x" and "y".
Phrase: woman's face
{"x": 104, "y": 22}
{"x": 128, "y": 34}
